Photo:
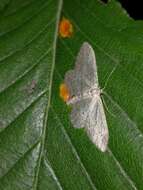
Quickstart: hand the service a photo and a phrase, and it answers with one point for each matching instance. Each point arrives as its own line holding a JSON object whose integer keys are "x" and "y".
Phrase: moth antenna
{"x": 109, "y": 76}
{"x": 106, "y": 107}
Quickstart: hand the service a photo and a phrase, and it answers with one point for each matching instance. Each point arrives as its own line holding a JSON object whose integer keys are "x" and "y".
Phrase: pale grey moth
{"x": 87, "y": 108}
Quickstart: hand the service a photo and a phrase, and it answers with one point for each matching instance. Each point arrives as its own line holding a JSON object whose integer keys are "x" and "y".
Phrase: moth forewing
{"x": 80, "y": 112}
{"x": 97, "y": 129}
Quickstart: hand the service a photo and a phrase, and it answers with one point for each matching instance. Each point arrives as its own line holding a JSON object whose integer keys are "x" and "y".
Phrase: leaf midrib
{"x": 49, "y": 95}
{"x": 48, "y": 89}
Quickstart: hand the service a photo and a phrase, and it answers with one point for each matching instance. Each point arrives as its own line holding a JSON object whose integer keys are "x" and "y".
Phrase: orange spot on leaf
{"x": 64, "y": 92}
{"x": 65, "y": 28}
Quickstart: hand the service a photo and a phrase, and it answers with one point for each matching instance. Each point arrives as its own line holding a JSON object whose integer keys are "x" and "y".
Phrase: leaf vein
{"x": 74, "y": 151}
{"x": 27, "y": 71}
{"x": 27, "y": 21}
{"x": 56, "y": 179}
{"x": 22, "y": 157}
{"x": 131, "y": 182}
{"x": 29, "y": 42}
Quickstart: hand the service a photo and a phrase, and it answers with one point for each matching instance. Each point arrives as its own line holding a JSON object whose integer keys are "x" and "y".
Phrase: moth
{"x": 84, "y": 97}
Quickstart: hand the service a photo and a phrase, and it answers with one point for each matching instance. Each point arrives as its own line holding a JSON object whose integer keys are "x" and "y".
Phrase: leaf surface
{"x": 39, "y": 148}
{"x": 28, "y": 36}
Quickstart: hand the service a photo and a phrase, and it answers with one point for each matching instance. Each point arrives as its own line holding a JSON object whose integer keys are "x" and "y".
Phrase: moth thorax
{"x": 93, "y": 92}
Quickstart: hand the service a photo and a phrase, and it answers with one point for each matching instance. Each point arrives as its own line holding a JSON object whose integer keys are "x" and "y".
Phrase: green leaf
{"x": 39, "y": 148}
{"x": 28, "y": 36}
{"x": 116, "y": 39}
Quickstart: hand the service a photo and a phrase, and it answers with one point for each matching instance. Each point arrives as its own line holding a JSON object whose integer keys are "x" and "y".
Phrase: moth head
{"x": 64, "y": 92}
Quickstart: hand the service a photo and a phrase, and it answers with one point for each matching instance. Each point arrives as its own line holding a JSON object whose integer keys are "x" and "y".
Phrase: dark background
{"x": 133, "y": 7}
